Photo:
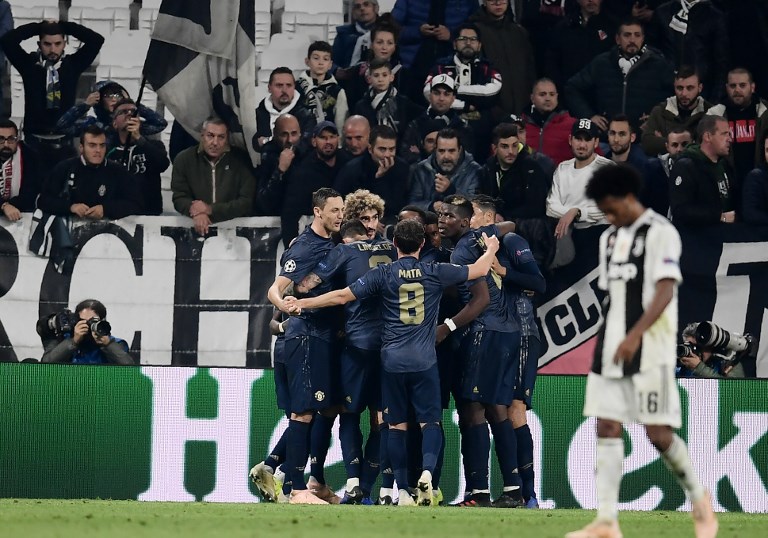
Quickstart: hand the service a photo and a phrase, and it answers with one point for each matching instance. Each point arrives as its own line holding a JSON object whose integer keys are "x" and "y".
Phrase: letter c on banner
{"x": 9, "y": 261}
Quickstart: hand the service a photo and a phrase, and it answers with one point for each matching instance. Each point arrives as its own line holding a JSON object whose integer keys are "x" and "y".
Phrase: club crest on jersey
{"x": 290, "y": 266}
{"x": 638, "y": 247}
{"x": 679, "y": 180}
{"x": 319, "y": 396}
{"x": 102, "y": 190}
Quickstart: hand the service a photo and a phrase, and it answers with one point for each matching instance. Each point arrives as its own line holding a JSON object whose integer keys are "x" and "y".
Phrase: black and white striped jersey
{"x": 632, "y": 260}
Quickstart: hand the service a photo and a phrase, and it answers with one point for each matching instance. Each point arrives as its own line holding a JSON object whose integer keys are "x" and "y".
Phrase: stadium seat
{"x": 263, "y": 29}
{"x": 111, "y": 15}
{"x": 316, "y": 20}
{"x": 385, "y": 6}
{"x": 148, "y": 14}
{"x": 42, "y": 10}
{"x": 287, "y": 50}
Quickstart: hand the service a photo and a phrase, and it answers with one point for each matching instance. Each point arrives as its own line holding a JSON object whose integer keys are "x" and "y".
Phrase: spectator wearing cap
{"x": 512, "y": 175}
{"x": 317, "y": 170}
{"x": 508, "y": 48}
{"x": 449, "y": 170}
{"x": 438, "y": 115}
{"x": 630, "y": 79}
{"x": 547, "y": 126}
{"x": 99, "y": 107}
{"x": 282, "y": 99}
{"x": 378, "y": 170}
{"x": 567, "y": 201}
{"x": 349, "y": 37}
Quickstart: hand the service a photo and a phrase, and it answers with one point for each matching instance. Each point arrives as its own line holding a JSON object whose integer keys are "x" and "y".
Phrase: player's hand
{"x": 286, "y": 158}
{"x": 441, "y": 183}
{"x": 491, "y": 243}
{"x": 441, "y": 333}
{"x": 95, "y": 212}
{"x": 385, "y": 164}
{"x": 497, "y": 268}
{"x": 79, "y": 209}
{"x": 565, "y": 222}
{"x": 11, "y": 212}
{"x": 202, "y": 222}
{"x": 690, "y": 361}
{"x": 291, "y": 305}
{"x": 79, "y": 331}
{"x": 625, "y": 353}
{"x": 93, "y": 98}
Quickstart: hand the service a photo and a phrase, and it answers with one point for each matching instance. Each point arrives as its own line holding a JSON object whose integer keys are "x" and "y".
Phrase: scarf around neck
{"x": 10, "y": 179}
{"x": 626, "y": 64}
{"x": 679, "y": 22}
{"x": 52, "y": 83}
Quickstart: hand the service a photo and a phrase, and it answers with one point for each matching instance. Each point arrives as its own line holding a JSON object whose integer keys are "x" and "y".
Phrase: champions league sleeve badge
{"x": 290, "y": 266}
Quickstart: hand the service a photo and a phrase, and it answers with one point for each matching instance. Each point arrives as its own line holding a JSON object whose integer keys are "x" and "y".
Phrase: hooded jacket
{"x": 665, "y": 118}
{"x": 465, "y": 179}
{"x": 266, "y": 114}
{"x": 694, "y": 196}
{"x": 144, "y": 160}
{"x": 327, "y": 100}
{"x": 551, "y": 138}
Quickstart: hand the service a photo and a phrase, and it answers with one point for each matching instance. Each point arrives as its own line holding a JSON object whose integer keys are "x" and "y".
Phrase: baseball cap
{"x": 325, "y": 126}
{"x": 516, "y": 120}
{"x": 444, "y": 80}
{"x": 585, "y": 125}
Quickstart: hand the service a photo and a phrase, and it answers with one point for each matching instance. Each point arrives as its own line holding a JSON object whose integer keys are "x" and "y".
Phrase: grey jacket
{"x": 465, "y": 179}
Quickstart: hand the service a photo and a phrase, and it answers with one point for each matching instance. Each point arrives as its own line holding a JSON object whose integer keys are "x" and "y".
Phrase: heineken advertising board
{"x": 186, "y": 434}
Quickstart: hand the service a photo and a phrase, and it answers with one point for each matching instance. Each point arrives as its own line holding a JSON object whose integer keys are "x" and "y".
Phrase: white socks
{"x": 679, "y": 462}
{"x": 610, "y": 456}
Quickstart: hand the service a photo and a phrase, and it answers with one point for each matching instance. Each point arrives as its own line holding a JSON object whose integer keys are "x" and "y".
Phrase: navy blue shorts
{"x": 489, "y": 366}
{"x": 530, "y": 350}
{"x": 312, "y": 367}
{"x": 360, "y": 378}
{"x": 419, "y": 391}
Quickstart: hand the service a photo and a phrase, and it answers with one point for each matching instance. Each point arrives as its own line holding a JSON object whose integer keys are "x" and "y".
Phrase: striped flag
{"x": 201, "y": 61}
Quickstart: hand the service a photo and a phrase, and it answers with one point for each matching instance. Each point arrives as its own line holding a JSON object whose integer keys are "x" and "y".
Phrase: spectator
{"x": 747, "y": 117}
{"x": 507, "y": 47}
{"x": 279, "y": 156}
{"x": 547, "y": 126}
{"x": 621, "y": 141}
{"x": 378, "y": 170}
{"x": 568, "y": 200}
{"x": 704, "y": 189}
{"x": 87, "y": 343}
{"x": 659, "y": 168}
{"x": 50, "y": 80}
{"x": 629, "y": 80}
{"x": 102, "y": 100}
{"x": 577, "y": 39}
{"x": 449, "y": 170}
{"x": 546, "y": 164}
{"x": 90, "y": 186}
{"x": 212, "y": 182}
{"x": 357, "y": 132}
{"x": 684, "y": 109}
{"x": 755, "y": 199}
{"x": 6, "y": 25}
{"x": 382, "y": 104}
{"x": 384, "y": 39}
{"x": 540, "y": 18}
{"x": 20, "y": 175}
{"x": 438, "y": 115}
{"x": 144, "y": 159}
{"x": 513, "y": 176}
{"x": 315, "y": 171}
{"x": 748, "y": 37}
{"x": 350, "y": 45}
{"x": 320, "y": 92}
{"x": 704, "y": 362}
{"x": 282, "y": 99}
{"x": 694, "y": 32}
{"x": 427, "y": 29}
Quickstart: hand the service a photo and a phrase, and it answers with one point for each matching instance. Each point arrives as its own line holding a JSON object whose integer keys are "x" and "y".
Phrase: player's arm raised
{"x": 484, "y": 262}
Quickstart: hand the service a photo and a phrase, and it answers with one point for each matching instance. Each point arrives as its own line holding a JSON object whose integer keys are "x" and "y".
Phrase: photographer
{"x": 697, "y": 359}
{"x": 82, "y": 337}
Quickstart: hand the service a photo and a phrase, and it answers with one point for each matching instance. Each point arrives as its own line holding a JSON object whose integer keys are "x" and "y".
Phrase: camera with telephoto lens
{"x": 711, "y": 336}
{"x": 99, "y": 327}
{"x": 57, "y": 325}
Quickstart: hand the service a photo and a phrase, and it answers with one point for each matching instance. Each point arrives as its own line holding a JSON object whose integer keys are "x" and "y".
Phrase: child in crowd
{"x": 382, "y": 104}
{"x": 320, "y": 92}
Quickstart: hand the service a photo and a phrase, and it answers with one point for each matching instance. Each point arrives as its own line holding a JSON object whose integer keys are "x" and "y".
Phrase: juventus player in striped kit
{"x": 633, "y": 372}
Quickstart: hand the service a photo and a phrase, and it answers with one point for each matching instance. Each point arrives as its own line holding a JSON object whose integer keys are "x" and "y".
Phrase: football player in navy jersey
{"x": 521, "y": 278}
{"x": 360, "y": 358}
{"x": 488, "y": 358}
{"x": 410, "y": 292}
{"x": 309, "y": 341}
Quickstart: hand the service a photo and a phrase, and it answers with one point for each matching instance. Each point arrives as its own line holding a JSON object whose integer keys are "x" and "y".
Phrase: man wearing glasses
{"x": 19, "y": 173}
{"x": 350, "y": 37}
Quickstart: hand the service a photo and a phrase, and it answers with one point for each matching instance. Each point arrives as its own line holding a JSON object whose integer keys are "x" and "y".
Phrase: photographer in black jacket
{"x": 82, "y": 337}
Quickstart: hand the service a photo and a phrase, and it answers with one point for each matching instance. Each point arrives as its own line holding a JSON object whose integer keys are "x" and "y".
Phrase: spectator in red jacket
{"x": 547, "y": 126}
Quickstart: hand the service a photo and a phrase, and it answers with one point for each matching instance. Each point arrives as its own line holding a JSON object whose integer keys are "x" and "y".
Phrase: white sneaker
{"x": 405, "y": 499}
{"x": 262, "y": 476}
{"x": 424, "y": 496}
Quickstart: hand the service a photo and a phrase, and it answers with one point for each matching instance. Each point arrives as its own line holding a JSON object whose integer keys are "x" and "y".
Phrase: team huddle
{"x": 396, "y": 359}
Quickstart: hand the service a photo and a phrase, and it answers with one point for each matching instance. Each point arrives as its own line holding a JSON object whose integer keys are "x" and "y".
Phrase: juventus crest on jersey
{"x": 632, "y": 260}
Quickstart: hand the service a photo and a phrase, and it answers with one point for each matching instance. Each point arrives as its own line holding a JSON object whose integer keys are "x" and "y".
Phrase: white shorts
{"x": 650, "y": 398}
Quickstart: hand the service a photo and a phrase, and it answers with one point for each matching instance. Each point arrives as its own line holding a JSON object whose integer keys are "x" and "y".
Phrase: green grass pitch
{"x": 29, "y": 518}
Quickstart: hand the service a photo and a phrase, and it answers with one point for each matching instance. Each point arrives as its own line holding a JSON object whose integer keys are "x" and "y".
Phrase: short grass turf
{"x": 29, "y": 518}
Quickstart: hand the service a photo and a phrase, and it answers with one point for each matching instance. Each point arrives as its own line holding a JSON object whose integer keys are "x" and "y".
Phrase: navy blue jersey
{"x": 297, "y": 262}
{"x": 495, "y": 317}
{"x": 431, "y": 254}
{"x": 522, "y": 274}
{"x": 351, "y": 261}
{"x": 410, "y": 293}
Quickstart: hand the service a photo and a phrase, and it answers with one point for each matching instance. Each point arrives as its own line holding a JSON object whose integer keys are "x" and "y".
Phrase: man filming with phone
{"x": 82, "y": 337}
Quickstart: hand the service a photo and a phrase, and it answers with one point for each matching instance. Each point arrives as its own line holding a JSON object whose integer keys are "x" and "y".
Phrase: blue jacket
{"x": 344, "y": 44}
{"x": 465, "y": 179}
{"x": 755, "y": 196}
{"x": 411, "y": 14}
